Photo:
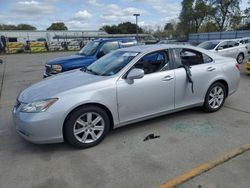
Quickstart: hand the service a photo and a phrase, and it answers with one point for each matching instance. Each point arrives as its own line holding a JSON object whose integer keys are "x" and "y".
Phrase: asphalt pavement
{"x": 124, "y": 159}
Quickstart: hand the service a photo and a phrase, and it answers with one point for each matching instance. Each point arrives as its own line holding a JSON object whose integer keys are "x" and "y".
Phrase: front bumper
{"x": 39, "y": 128}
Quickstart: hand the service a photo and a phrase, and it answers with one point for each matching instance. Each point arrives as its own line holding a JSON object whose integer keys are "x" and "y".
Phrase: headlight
{"x": 57, "y": 68}
{"x": 38, "y": 106}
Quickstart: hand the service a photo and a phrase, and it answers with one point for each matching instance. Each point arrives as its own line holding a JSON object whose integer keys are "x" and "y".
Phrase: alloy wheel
{"x": 240, "y": 58}
{"x": 89, "y": 127}
{"x": 216, "y": 97}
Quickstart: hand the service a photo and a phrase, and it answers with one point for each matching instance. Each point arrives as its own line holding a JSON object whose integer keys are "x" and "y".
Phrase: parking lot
{"x": 123, "y": 159}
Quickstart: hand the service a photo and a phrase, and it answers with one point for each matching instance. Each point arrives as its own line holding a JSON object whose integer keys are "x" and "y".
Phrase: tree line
{"x": 53, "y": 26}
{"x": 195, "y": 16}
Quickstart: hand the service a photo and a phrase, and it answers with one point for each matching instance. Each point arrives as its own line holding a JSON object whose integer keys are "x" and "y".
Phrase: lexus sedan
{"x": 125, "y": 86}
{"x": 227, "y": 48}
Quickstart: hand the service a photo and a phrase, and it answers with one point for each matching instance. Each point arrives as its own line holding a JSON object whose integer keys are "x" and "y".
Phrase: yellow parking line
{"x": 205, "y": 167}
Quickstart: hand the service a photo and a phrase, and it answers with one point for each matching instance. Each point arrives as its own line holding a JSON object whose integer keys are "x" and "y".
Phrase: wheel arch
{"x": 224, "y": 82}
{"x": 91, "y": 104}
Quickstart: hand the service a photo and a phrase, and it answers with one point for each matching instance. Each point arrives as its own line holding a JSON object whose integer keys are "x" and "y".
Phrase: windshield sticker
{"x": 130, "y": 54}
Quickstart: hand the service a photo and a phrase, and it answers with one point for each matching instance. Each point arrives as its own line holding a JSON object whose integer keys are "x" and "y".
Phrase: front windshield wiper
{"x": 89, "y": 70}
{"x": 81, "y": 53}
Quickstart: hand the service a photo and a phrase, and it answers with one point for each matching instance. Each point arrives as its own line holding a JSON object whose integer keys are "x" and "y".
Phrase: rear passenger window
{"x": 191, "y": 57}
{"x": 232, "y": 44}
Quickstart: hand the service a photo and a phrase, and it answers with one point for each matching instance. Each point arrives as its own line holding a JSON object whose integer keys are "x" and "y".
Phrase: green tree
{"x": 225, "y": 13}
{"x": 7, "y": 27}
{"x": 193, "y": 15}
{"x": 169, "y": 29}
{"x": 186, "y": 24}
{"x": 18, "y": 27}
{"x": 122, "y": 28}
{"x": 57, "y": 26}
{"x": 25, "y": 27}
{"x": 208, "y": 26}
{"x": 200, "y": 12}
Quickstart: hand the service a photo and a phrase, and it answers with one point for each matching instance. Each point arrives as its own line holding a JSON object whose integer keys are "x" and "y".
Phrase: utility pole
{"x": 136, "y": 21}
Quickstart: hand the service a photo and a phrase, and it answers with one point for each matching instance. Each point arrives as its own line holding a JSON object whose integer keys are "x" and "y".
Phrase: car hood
{"x": 66, "y": 59}
{"x": 52, "y": 86}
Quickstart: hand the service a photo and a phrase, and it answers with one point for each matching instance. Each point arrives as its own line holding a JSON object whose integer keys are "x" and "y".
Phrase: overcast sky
{"x": 89, "y": 14}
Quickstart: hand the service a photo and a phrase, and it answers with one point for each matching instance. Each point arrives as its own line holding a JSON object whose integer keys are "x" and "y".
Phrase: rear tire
{"x": 86, "y": 126}
{"x": 240, "y": 58}
{"x": 215, "y": 97}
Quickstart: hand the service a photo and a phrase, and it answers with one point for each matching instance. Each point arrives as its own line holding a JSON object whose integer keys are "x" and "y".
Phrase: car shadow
{"x": 195, "y": 110}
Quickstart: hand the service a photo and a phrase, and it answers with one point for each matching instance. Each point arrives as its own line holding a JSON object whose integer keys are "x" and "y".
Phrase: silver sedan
{"x": 123, "y": 87}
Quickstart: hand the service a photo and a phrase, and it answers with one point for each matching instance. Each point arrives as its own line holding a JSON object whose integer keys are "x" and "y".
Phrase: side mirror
{"x": 219, "y": 48}
{"x": 135, "y": 74}
{"x": 100, "y": 54}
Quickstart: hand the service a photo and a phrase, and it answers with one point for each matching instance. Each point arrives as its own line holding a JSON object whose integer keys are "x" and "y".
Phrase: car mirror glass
{"x": 219, "y": 48}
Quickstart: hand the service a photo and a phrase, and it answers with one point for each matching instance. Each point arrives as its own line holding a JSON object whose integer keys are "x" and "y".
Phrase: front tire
{"x": 240, "y": 58}
{"x": 86, "y": 126}
{"x": 215, "y": 97}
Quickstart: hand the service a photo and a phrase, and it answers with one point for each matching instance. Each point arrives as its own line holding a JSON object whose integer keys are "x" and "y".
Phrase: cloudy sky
{"x": 89, "y": 14}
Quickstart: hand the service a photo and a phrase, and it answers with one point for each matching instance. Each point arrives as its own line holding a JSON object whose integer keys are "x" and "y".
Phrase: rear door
{"x": 202, "y": 68}
{"x": 233, "y": 49}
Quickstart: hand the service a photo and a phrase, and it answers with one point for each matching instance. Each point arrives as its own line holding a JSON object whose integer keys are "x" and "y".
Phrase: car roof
{"x": 222, "y": 40}
{"x": 156, "y": 47}
{"x": 114, "y": 39}
{"x": 244, "y": 38}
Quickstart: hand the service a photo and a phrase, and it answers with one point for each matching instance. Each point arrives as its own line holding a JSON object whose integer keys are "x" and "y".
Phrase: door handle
{"x": 167, "y": 78}
{"x": 210, "y": 69}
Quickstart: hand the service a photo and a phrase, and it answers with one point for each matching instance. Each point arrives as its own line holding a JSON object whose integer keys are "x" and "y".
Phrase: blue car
{"x": 92, "y": 51}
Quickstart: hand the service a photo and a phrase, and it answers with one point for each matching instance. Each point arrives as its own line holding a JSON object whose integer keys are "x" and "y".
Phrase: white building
{"x": 49, "y": 36}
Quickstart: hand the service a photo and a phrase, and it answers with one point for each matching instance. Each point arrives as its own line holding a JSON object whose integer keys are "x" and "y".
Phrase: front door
{"x": 152, "y": 94}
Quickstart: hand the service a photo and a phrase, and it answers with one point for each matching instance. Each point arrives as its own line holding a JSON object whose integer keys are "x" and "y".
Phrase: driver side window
{"x": 223, "y": 45}
{"x": 153, "y": 62}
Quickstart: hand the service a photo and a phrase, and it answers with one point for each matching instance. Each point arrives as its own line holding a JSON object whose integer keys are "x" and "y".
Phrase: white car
{"x": 246, "y": 41}
{"x": 228, "y": 48}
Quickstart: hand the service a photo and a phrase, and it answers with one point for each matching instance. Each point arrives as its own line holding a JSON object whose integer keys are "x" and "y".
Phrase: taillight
{"x": 237, "y": 66}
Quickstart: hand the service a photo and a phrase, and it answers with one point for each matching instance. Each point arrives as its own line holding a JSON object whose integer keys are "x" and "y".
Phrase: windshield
{"x": 111, "y": 63}
{"x": 209, "y": 45}
{"x": 89, "y": 49}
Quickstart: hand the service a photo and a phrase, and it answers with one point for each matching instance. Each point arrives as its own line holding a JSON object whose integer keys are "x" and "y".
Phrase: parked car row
{"x": 227, "y": 48}
{"x": 117, "y": 86}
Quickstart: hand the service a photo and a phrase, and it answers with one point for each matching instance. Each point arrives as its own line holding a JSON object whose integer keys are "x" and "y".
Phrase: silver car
{"x": 227, "y": 48}
{"x": 126, "y": 86}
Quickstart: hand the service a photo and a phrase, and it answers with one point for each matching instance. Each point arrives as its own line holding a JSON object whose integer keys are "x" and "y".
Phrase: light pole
{"x": 136, "y": 21}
